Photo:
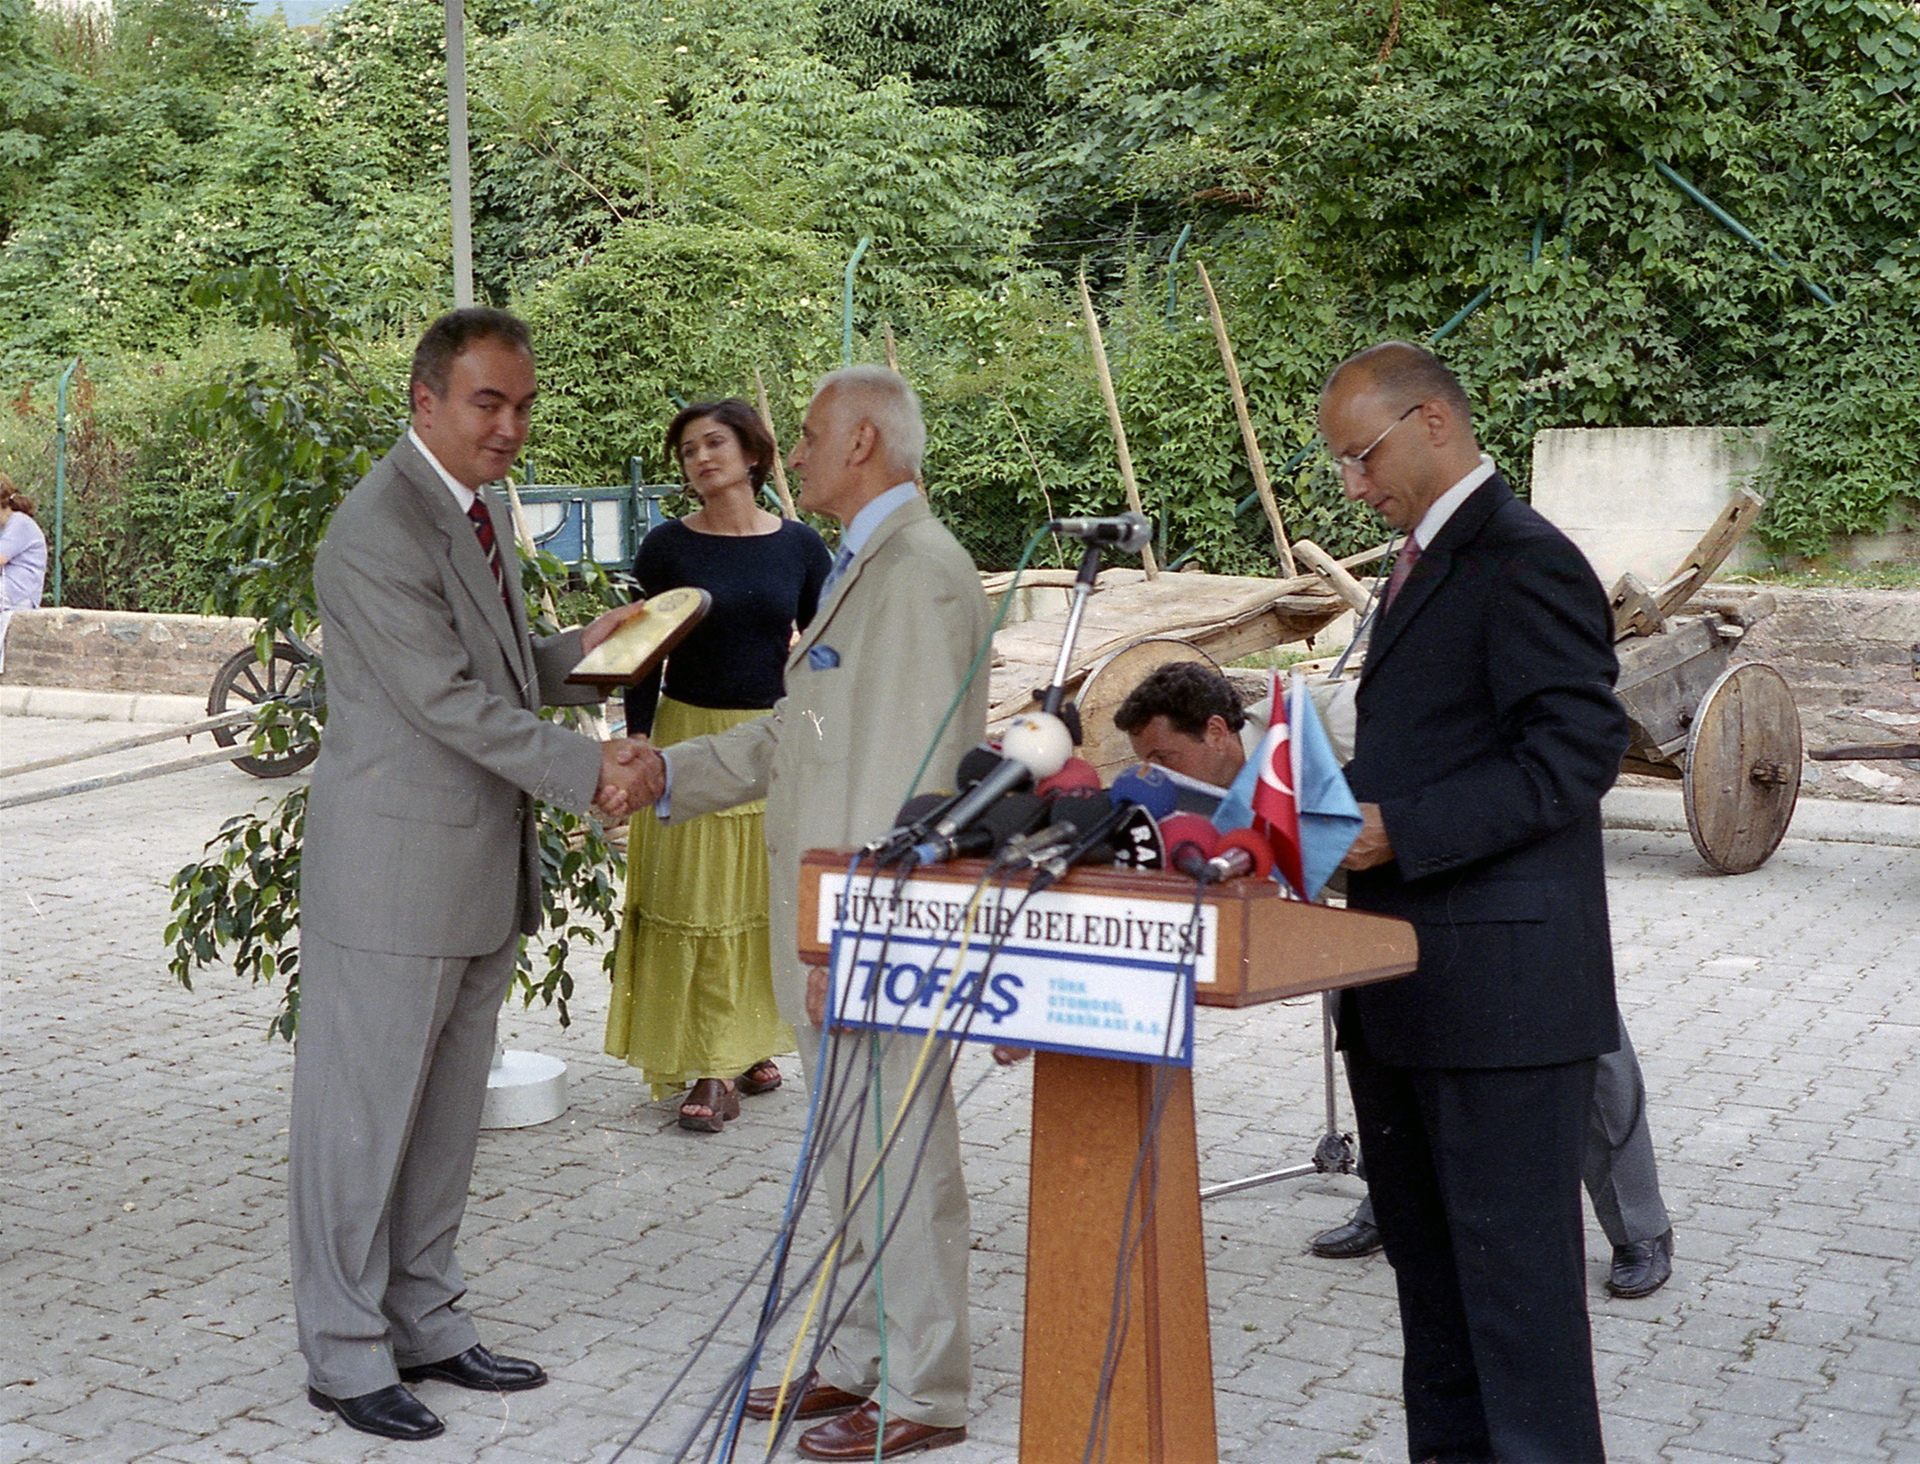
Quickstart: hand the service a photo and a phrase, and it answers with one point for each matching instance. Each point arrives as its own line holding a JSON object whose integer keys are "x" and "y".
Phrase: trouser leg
{"x": 1445, "y": 1419}
{"x": 370, "y": 1026}
{"x": 424, "y": 1283}
{"x": 1508, "y": 1144}
{"x": 1621, "y": 1176}
{"x": 922, "y": 1274}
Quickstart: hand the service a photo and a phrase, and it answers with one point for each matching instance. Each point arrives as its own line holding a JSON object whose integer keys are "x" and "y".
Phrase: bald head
{"x": 1402, "y": 372}
{"x": 1396, "y": 421}
{"x": 863, "y": 434}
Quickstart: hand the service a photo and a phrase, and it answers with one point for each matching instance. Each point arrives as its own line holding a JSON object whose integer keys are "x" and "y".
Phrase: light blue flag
{"x": 1329, "y": 817}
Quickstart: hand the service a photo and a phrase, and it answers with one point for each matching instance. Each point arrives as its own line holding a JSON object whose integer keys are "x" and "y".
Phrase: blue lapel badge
{"x": 822, "y": 658}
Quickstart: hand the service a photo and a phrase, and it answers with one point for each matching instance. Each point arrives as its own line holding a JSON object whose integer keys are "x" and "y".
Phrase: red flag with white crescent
{"x": 1276, "y": 806}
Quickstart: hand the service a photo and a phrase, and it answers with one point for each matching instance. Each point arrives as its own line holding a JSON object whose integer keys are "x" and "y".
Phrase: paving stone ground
{"x": 144, "y": 1306}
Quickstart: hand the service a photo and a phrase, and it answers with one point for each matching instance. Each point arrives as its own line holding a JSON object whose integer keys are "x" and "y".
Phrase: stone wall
{"x": 108, "y": 650}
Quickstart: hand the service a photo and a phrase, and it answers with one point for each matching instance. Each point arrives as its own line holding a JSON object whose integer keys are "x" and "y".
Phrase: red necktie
{"x": 483, "y": 530}
{"x": 1403, "y": 564}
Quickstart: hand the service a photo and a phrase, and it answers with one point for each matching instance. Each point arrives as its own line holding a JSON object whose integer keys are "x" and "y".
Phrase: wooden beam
{"x": 1711, "y": 552}
{"x": 779, "y": 465}
{"x": 1113, "y": 417}
{"x": 1333, "y": 572}
{"x": 1256, "y": 463}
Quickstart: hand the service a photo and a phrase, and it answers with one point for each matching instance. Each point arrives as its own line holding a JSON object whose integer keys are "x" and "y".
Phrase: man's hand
{"x": 1008, "y": 1056}
{"x": 632, "y": 775}
{"x": 605, "y": 625}
{"x": 1372, "y": 847}
{"x": 817, "y": 995}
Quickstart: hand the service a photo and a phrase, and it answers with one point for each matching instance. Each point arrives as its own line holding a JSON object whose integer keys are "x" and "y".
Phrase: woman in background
{"x": 693, "y": 1003}
{"x": 23, "y": 558}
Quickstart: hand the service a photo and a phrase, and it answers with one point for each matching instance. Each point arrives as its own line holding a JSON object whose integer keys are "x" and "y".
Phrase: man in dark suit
{"x": 1487, "y": 731}
{"x": 419, "y": 875}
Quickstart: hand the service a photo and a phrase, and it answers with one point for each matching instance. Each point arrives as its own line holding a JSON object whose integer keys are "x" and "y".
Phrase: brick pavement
{"x": 142, "y": 1219}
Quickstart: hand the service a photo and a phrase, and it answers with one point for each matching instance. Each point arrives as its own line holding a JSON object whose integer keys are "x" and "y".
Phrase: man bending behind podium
{"x": 1487, "y": 732}
{"x": 901, "y": 619}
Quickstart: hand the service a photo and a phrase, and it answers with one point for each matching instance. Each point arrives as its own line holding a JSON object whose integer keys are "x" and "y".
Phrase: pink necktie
{"x": 1403, "y": 564}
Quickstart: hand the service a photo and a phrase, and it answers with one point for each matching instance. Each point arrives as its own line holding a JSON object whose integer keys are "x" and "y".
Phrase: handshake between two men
{"x": 632, "y": 776}
{"x": 632, "y": 772}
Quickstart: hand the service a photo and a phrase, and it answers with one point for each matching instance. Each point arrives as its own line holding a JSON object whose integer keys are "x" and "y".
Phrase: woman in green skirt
{"x": 693, "y": 1000}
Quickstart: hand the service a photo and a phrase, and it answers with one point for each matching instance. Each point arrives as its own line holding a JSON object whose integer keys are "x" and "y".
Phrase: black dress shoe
{"x": 480, "y": 1370}
{"x": 390, "y": 1413}
{"x": 1641, "y": 1267}
{"x": 1347, "y": 1242}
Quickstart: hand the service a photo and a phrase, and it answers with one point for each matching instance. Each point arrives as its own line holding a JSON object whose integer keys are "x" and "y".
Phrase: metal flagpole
{"x": 457, "y": 155}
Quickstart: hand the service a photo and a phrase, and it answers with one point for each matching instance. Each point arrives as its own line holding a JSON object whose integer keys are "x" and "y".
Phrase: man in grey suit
{"x": 419, "y": 875}
{"x": 867, "y": 686}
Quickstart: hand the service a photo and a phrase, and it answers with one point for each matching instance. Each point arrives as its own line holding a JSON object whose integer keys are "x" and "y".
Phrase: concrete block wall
{"x": 110, "y": 650}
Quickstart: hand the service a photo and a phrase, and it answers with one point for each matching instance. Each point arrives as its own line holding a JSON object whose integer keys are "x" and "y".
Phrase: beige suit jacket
{"x": 420, "y": 835}
{"x": 836, "y": 756}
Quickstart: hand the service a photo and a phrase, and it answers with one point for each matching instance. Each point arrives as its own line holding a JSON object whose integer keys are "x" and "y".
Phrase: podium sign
{"x": 1096, "y": 973}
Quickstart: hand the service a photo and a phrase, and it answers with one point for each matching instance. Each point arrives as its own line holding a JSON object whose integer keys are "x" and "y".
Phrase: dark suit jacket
{"x": 1487, "y": 732}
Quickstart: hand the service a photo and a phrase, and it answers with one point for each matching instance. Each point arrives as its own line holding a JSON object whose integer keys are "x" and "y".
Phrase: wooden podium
{"x": 1090, "y": 1117}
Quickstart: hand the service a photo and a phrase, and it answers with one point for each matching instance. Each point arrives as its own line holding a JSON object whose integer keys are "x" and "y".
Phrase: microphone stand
{"x": 1056, "y": 693}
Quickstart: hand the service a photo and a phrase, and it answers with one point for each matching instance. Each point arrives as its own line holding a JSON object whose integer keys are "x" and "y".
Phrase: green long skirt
{"x": 692, "y": 979}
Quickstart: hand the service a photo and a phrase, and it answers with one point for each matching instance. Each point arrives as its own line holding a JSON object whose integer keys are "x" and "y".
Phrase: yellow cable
{"x": 899, "y": 1118}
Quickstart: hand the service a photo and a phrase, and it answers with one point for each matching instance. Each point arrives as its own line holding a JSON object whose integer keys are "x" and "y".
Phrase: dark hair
{"x": 452, "y": 333}
{"x": 12, "y": 498}
{"x": 1187, "y": 694}
{"x": 755, "y": 441}
{"x": 1405, "y": 375}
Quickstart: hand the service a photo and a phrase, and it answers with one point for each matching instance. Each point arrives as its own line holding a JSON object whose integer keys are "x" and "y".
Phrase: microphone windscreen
{"x": 1254, "y": 844}
{"x": 918, "y": 807}
{"x": 1014, "y": 814}
{"x": 1188, "y": 830}
{"x": 1077, "y": 776}
{"x": 1079, "y": 811}
{"x": 1147, "y": 786}
{"x": 1137, "y": 843}
{"x": 978, "y": 762}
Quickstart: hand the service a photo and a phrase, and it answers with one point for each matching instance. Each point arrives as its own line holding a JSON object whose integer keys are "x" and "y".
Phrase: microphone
{"x": 1012, "y": 816}
{"x": 1035, "y": 745}
{"x": 919, "y": 812}
{"x": 1127, "y": 532}
{"x": 1148, "y": 786}
{"x": 1077, "y": 775}
{"x": 1190, "y": 841}
{"x": 1241, "y": 853}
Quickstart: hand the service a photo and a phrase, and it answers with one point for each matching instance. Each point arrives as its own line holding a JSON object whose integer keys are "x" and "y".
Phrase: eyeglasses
{"x": 1357, "y": 462}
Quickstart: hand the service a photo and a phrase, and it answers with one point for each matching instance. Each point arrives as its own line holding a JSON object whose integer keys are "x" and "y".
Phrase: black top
{"x": 763, "y": 585}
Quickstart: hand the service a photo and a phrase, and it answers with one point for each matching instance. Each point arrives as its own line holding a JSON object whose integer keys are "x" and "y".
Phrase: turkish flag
{"x": 1276, "y": 805}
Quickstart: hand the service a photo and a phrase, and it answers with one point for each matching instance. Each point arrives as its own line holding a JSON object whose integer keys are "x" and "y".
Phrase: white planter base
{"x": 524, "y": 1088}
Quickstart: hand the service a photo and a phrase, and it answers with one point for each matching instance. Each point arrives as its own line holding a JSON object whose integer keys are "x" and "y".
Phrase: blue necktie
{"x": 840, "y": 563}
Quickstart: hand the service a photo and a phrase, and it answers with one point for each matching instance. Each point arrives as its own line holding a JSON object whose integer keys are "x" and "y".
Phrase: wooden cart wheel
{"x": 1743, "y": 768}
{"x": 1109, "y": 683}
{"x": 246, "y": 680}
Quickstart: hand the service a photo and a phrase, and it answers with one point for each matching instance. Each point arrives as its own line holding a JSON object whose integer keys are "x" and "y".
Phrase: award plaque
{"x": 626, "y": 657}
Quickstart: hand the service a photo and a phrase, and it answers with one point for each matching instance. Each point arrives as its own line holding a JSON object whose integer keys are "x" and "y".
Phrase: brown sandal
{"x": 720, "y": 1101}
{"x": 762, "y": 1077}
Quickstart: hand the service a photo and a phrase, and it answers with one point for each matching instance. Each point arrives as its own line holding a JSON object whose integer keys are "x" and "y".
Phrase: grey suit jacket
{"x": 420, "y": 833}
{"x": 836, "y": 756}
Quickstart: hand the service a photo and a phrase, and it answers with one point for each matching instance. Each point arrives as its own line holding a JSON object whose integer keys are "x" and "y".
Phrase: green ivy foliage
{"x": 1415, "y": 157}
{"x": 978, "y": 54}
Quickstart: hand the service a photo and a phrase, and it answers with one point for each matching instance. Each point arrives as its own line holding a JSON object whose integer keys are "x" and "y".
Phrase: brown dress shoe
{"x": 853, "y": 1437}
{"x": 809, "y": 1398}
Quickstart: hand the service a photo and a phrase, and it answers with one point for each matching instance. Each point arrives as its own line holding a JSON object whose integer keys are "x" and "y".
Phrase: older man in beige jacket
{"x": 867, "y": 685}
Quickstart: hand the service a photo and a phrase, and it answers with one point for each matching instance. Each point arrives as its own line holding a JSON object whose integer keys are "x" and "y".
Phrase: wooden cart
{"x": 1729, "y": 733}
